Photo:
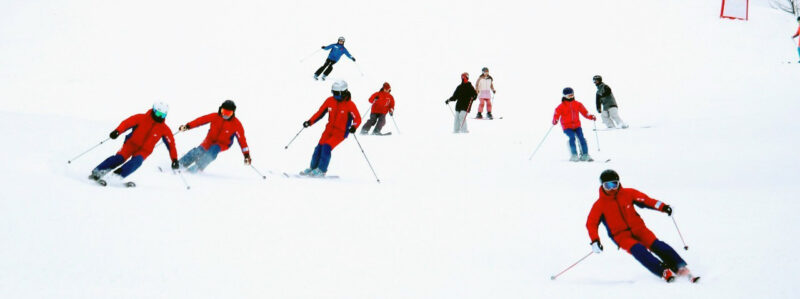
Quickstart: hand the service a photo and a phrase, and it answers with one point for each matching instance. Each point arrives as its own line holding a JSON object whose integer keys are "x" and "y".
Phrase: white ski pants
{"x": 611, "y": 116}
{"x": 460, "y": 124}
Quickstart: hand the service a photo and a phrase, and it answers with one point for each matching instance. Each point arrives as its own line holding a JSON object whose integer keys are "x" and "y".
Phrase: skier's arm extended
{"x": 200, "y": 121}
{"x": 643, "y": 201}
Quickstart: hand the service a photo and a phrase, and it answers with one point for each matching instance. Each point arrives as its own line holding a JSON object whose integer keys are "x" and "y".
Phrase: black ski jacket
{"x": 464, "y": 95}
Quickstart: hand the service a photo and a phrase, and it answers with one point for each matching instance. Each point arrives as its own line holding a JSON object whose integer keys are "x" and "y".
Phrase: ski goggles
{"x": 337, "y": 93}
{"x": 160, "y": 114}
{"x": 226, "y": 113}
{"x": 610, "y": 185}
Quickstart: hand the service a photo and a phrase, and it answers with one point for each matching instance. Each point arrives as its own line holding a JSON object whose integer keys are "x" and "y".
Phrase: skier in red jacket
{"x": 343, "y": 119}
{"x": 224, "y": 127}
{"x": 568, "y": 112}
{"x": 615, "y": 209}
{"x": 382, "y": 103}
{"x": 147, "y": 128}
{"x": 796, "y": 34}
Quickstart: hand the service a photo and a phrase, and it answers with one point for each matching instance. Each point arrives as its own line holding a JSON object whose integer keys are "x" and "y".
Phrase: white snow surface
{"x": 455, "y": 216}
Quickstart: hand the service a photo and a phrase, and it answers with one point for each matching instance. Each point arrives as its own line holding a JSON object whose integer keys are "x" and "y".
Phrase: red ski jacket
{"x": 342, "y": 115}
{"x": 796, "y": 34}
{"x": 221, "y": 131}
{"x": 615, "y": 210}
{"x": 382, "y": 102}
{"x": 568, "y": 112}
{"x": 146, "y": 133}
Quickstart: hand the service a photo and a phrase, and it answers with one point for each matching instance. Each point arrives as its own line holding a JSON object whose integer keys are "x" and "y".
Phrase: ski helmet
{"x": 567, "y": 91}
{"x": 160, "y": 110}
{"x": 609, "y": 175}
{"x": 485, "y": 69}
{"x": 229, "y": 108}
{"x": 597, "y": 78}
{"x": 341, "y": 39}
{"x": 340, "y": 85}
{"x": 464, "y": 77}
{"x": 386, "y": 86}
{"x": 228, "y": 105}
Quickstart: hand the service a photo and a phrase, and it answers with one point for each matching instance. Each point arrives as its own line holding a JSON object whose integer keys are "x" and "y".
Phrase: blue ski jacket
{"x": 337, "y": 51}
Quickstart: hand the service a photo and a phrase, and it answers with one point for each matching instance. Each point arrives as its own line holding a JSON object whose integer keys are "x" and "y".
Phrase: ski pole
{"x": 540, "y": 142}
{"x": 78, "y": 156}
{"x": 183, "y": 179}
{"x": 451, "y": 109}
{"x": 685, "y": 247}
{"x": 395, "y": 123}
{"x": 596, "y": 137}
{"x": 359, "y": 68}
{"x": 466, "y": 113}
{"x": 258, "y": 172}
{"x": 570, "y": 267}
{"x": 309, "y": 55}
{"x": 365, "y": 157}
{"x": 295, "y": 137}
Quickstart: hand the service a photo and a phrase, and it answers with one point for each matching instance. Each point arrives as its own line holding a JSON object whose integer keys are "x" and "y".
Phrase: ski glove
{"x": 592, "y": 117}
{"x": 174, "y": 164}
{"x": 183, "y": 128}
{"x": 323, "y": 47}
{"x": 667, "y": 209}
{"x": 114, "y": 134}
{"x": 391, "y": 112}
{"x": 353, "y": 129}
{"x": 306, "y": 124}
{"x": 247, "y": 159}
{"x": 597, "y": 247}
{"x": 354, "y": 59}
{"x": 555, "y": 122}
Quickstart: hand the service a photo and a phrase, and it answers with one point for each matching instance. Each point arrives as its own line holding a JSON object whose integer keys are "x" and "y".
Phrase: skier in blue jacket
{"x": 337, "y": 50}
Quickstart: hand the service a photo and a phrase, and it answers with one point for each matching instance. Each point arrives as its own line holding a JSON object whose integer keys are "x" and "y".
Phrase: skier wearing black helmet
{"x": 224, "y": 126}
{"x": 607, "y": 105}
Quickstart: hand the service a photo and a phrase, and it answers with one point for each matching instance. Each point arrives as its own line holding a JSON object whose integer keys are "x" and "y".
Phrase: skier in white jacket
{"x": 485, "y": 88}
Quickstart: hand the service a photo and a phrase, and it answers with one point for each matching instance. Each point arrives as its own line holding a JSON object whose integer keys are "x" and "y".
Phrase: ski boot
{"x": 364, "y": 132}
{"x": 574, "y": 158}
{"x": 307, "y": 171}
{"x": 97, "y": 174}
{"x": 624, "y": 126}
{"x": 317, "y": 173}
{"x": 586, "y": 158}
{"x": 316, "y": 77}
{"x": 683, "y": 271}
{"x": 479, "y": 116}
{"x": 667, "y": 275}
{"x": 323, "y": 77}
{"x": 489, "y": 115}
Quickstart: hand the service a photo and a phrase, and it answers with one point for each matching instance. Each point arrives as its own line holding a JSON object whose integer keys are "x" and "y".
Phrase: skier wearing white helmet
{"x": 146, "y": 130}
{"x": 343, "y": 119}
{"x": 337, "y": 50}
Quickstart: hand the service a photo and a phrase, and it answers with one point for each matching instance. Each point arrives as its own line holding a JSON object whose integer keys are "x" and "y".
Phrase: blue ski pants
{"x": 321, "y": 157}
{"x": 576, "y": 133}
{"x": 117, "y": 160}
{"x": 198, "y": 158}
{"x": 668, "y": 257}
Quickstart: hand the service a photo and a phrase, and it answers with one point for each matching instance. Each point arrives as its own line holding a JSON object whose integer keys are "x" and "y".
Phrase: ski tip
{"x": 695, "y": 279}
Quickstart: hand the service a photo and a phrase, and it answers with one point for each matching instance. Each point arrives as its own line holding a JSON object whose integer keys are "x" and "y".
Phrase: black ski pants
{"x": 327, "y": 67}
{"x": 374, "y": 118}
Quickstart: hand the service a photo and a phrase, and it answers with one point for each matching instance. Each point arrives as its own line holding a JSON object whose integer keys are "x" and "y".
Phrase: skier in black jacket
{"x": 463, "y": 96}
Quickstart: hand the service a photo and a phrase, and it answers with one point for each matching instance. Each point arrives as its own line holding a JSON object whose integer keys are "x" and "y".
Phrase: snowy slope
{"x": 456, "y": 216}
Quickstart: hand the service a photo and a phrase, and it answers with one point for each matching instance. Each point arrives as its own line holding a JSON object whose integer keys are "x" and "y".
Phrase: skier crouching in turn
{"x": 615, "y": 209}
{"x": 382, "y": 103}
{"x": 463, "y": 96}
{"x": 337, "y": 50}
{"x": 343, "y": 119}
{"x": 224, "y": 127}
{"x": 147, "y": 129}
{"x": 568, "y": 112}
